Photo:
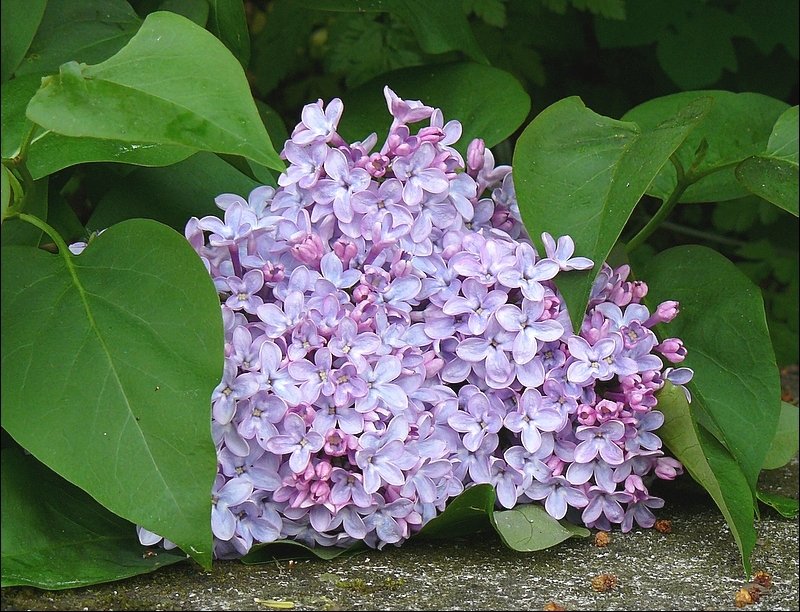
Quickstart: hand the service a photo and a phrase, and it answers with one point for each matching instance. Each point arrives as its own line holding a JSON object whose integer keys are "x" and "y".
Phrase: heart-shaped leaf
{"x": 20, "y": 19}
{"x": 736, "y": 385}
{"x": 581, "y": 174}
{"x": 468, "y": 512}
{"x": 711, "y": 465}
{"x": 774, "y": 175}
{"x": 171, "y": 195}
{"x": 57, "y": 537}
{"x": 86, "y": 31}
{"x": 736, "y": 127}
{"x": 198, "y": 99}
{"x": 787, "y": 438}
{"x": 116, "y": 352}
{"x": 489, "y": 103}
{"x": 528, "y": 527}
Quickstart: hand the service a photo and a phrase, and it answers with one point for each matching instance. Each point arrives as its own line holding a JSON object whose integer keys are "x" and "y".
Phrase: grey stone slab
{"x": 694, "y": 567}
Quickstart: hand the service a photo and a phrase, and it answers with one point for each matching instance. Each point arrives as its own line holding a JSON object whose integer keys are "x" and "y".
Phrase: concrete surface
{"x": 695, "y": 566}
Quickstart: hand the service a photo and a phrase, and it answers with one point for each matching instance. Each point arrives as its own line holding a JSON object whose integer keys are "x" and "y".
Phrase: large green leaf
{"x": 439, "y": 26}
{"x": 736, "y": 385}
{"x": 737, "y": 127}
{"x": 489, "y": 103}
{"x": 55, "y": 536}
{"x": 711, "y": 465}
{"x": 174, "y": 83}
{"x": 50, "y": 152}
{"x": 171, "y": 195}
{"x": 5, "y": 193}
{"x": 787, "y": 438}
{"x": 117, "y": 352}
{"x": 88, "y": 31}
{"x": 20, "y": 19}
{"x": 464, "y": 515}
{"x": 774, "y": 175}
{"x": 227, "y": 21}
{"x": 18, "y": 232}
{"x": 582, "y": 174}
{"x": 528, "y": 527}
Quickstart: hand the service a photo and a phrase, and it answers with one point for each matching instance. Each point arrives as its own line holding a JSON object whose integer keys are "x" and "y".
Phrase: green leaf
{"x": 195, "y": 10}
{"x": 711, "y": 465}
{"x": 465, "y": 514}
{"x": 122, "y": 347}
{"x": 439, "y": 26}
{"x": 737, "y": 126}
{"x": 50, "y": 152}
{"x": 489, "y": 103}
{"x": 15, "y": 231}
{"x": 787, "y": 507}
{"x": 736, "y": 384}
{"x": 5, "y": 193}
{"x": 787, "y": 438}
{"x": 581, "y": 174}
{"x": 88, "y": 31}
{"x": 774, "y": 175}
{"x": 19, "y": 22}
{"x": 528, "y": 527}
{"x": 228, "y": 22}
{"x": 282, "y": 550}
{"x": 774, "y": 180}
{"x": 14, "y": 97}
{"x": 199, "y": 98}
{"x": 171, "y": 195}
{"x": 57, "y": 537}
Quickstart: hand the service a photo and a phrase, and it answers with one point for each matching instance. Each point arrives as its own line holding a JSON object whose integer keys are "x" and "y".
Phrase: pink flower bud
{"x": 475, "y": 156}
{"x": 672, "y": 349}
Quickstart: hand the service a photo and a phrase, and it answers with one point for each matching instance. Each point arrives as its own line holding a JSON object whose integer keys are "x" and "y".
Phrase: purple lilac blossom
{"x": 392, "y": 337}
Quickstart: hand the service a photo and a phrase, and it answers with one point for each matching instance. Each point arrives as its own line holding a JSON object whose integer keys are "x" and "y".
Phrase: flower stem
{"x": 57, "y": 239}
{"x": 665, "y": 209}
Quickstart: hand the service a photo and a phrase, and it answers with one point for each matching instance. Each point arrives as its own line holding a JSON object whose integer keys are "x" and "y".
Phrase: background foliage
{"x": 115, "y": 110}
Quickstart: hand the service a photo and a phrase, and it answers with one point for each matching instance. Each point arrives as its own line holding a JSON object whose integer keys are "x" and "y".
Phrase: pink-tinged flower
{"x": 297, "y": 441}
{"x": 477, "y": 302}
{"x": 592, "y": 362}
{"x": 419, "y": 176}
{"x": 277, "y": 321}
{"x": 507, "y": 482}
{"x": 258, "y": 416}
{"x": 223, "y": 496}
{"x": 562, "y": 252}
{"x": 672, "y": 349}
{"x": 314, "y": 378}
{"x": 318, "y": 122}
{"x": 306, "y": 164}
{"x": 232, "y": 388}
{"x": 558, "y": 493}
{"x": 602, "y": 502}
{"x": 530, "y": 419}
{"x": 529, "y": 329}
{"x": 347, "y": 487}
{"x": 381, "y": 390}
{"x": 244, "y": 291}
{"x": 406, "y": 111}
{"x": 529, "y": 273}
{"x": 343, "y": 185}
{"x": 354, "y": 346}
{"x": 479, "y": 420}
{"x": 275, "y": 376}
{"x": 600, "y": 440}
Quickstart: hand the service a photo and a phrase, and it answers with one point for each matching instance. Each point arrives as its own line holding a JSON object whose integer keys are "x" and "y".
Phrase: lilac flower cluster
{"x": 392, "y": 336}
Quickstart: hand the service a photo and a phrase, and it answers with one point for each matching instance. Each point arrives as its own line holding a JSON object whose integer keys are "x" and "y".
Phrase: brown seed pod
{"x": 552, "y": 606}
{"x": 604, "y": 582}
{"x": 663, "y": 526}
{"x": 602, "y": 539}
{"x": 743, "y": 598}
{"x": 763, "y": 578}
